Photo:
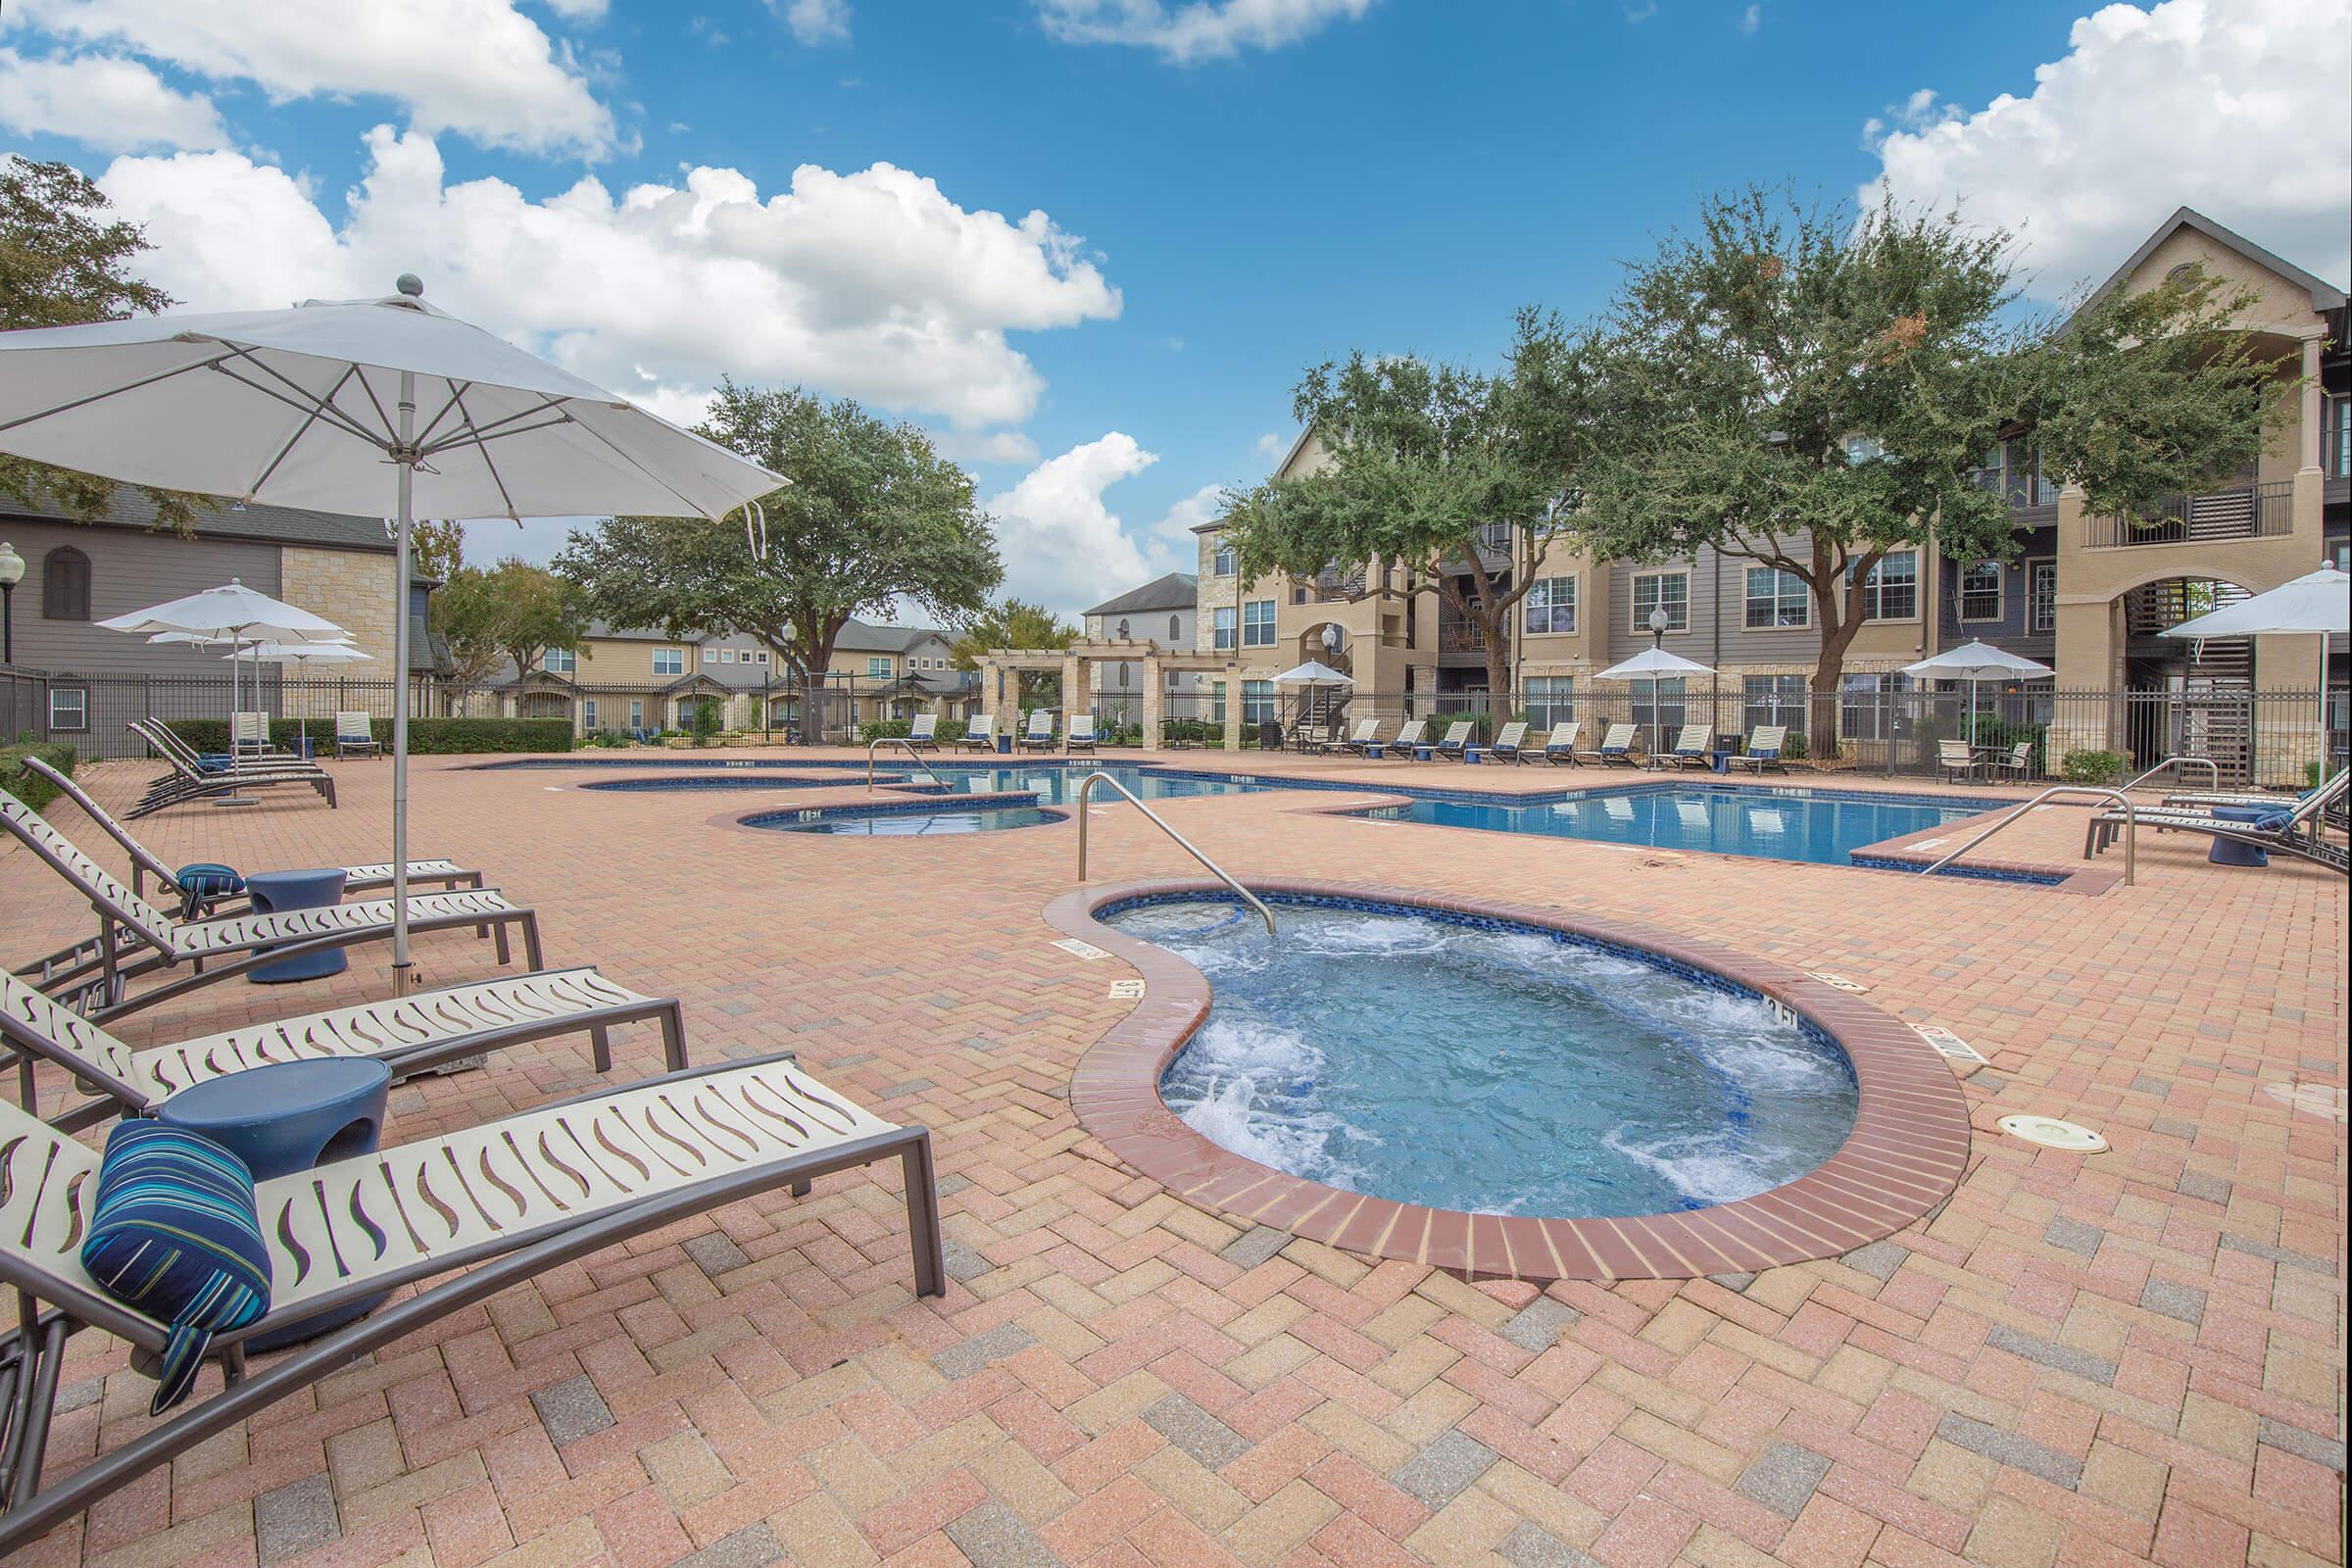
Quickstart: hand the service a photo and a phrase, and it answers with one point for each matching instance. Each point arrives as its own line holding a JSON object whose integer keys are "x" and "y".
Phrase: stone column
{"x": 1075, "y": 697}
{"x": 1233, "y": 708}
{"x": 2308, "y": 456}
{"x": 1155, "y": 699}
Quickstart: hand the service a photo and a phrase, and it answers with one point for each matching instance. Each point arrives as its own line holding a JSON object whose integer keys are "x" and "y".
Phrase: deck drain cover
{"x": 2053, "y": 1134}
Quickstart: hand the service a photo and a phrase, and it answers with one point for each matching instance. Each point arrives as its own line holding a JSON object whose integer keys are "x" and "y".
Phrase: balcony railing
{"x": 1334, "y": 583}
{"x": 2241, "y": 512}
{"x": 1460, "y": 637}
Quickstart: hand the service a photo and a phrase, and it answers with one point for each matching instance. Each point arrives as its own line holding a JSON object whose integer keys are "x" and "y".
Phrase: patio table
{"x": 2229, "y": 852}
{"x": 274, "y": 892}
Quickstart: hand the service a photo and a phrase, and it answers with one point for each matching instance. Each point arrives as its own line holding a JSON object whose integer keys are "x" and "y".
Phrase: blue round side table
{"x": 2230, "y": 851}
{"x": 274, "y": 892}
{"x": 287, "y": 1117}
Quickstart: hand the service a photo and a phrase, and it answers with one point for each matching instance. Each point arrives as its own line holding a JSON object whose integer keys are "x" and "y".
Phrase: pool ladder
{"x": 916, "y": 757}
{"x": 1086, "y": 790}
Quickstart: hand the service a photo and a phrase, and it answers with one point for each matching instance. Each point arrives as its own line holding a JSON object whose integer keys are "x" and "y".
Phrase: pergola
{"x": 1000, "y": 670}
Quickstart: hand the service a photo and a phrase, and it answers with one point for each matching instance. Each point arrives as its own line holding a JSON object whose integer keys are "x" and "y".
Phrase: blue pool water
{"x": 931, "y": 824}
{"x": 1824, "y": 829}
{"x": 1513, "y": 1070}
{"x": 1056, "y": 785}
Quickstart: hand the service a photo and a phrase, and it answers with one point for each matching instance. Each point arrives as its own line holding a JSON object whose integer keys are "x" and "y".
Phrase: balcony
{"x": 1333, "y": 583}
{"x": 1460, "y": 637}
{"x": 2240, "y": 511}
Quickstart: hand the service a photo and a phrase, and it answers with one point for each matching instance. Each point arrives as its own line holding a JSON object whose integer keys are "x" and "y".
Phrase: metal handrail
{"x": 1086, "y": 790}
{"x": 2175, "y": 760}
{"x": 880, "y": 741}
{"x": 2130, "y": 826}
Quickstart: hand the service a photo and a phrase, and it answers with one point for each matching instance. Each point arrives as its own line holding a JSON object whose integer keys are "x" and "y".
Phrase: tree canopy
{"x": 873, "y": 517}
{"x": 1010, "y": 623}
{"x": 513, "y": 610}
{"x": 63, "y": 264}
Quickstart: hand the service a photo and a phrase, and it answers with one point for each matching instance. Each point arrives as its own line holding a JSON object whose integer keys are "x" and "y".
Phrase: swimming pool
{"x": 1821, "y": 827}
{"x": 1470, "y": 1064}
{"x": 1059, "y": 785}
{"x": 923, "y": 820}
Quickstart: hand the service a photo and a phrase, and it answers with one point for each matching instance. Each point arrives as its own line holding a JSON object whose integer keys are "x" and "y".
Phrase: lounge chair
{"x": 1082, "y": 733}
{"x": 1511, "y": 745}
{"x": 1458, "y": 740}
{"x": 2299, "y": 832}
{"x": 980, "y": 735}
{"x": 1690, "y": 749}
{"x": 249, "y": 737}
{"x": 2016, "y": 763}
{"x": 1407, "y": 738}
{"x": 355, "y": 735}
{"x": 413, "y": 1034}
{"x": 1957, "y": 761}
{"x": 473, "y": 1212}
{"x": 1764, "y": 744}
{"x": 923, "y": 734}
{"x": 1616, "y": 747}
{"x": 1360, "y": 739}
{"x": 202, "y": 897}
{"x": 97, "y": 976}
{"x": 1561, "y": 745}
{"x": 1039, "y": 736}
{"x": 194, "y": 777}
{"x": 2334, "y": 815}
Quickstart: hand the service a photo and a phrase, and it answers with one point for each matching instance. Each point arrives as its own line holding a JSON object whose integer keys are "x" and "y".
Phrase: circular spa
{"x": 1508, "y": 1092}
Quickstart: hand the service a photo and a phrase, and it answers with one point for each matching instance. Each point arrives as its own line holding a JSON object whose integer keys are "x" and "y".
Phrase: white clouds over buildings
{"x": 103, "y": 101}
{"x": 1065, "y": 547}
{"x": 1191, "y": 31}
{"x": 2232, "y": 107}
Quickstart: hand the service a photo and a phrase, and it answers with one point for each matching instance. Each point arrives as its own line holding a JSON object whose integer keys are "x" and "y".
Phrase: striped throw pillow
{"x": 175, "y": 1235}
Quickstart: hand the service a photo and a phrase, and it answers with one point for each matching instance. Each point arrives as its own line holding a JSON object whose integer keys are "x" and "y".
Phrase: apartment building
{"x": 2084, "y": 594}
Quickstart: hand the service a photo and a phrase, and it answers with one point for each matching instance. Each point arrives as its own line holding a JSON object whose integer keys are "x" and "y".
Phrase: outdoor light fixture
{"x": 1659, "y": 621}
{"x": 11, "y": 572}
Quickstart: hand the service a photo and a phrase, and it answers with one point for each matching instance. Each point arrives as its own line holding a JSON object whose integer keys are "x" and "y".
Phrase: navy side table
{"x": 2229, "y": 852}
{"x": 288, "y": 1118}
{"x": 1376, "y": 750}
{"x": 272, "y": 892}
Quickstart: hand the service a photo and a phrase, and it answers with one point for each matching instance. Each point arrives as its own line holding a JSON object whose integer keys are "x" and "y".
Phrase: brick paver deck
{"x": 2134, "y": 1356}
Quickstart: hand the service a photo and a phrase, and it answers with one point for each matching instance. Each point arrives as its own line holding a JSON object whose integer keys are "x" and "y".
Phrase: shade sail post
{"x": 403, "y": 975}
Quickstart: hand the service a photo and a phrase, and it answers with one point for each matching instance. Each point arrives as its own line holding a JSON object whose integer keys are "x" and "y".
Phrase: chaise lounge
{"x": 1081, "y": 737}
{"x": 355, "y": 735}
{"x": 1511, "y": 745}
{"x": 922, "y": 735}
{"x": 1764, "y": 744}
{"x": 1407, "y": 739}
{"x": 194, "y": 777}
{"x": 558, "y": 1183}
{"x": 980, "y": 735}
{"x": 1456, "y": 743}
{"x": 2300, "y": 832}
{"x": 1616, "y": 747}
{"x": 1559, "y": 746}
{"x": 1690, "y": 749}
{"x": 1039, "y": 736}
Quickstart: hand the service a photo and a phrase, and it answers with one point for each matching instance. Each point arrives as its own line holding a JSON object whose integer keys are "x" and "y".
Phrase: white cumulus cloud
{"x": 1194, "y": 30}
{"x": 479, "y": 67}
{"x": 103, "y": 101}
{"x": 2232, "y": 107}
{"x": 872, "y": 284}
{"x": 815, "y": 22}
{"x": 1063, "y": 545}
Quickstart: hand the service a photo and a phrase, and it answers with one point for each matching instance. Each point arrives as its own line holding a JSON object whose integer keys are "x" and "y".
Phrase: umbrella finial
{"x": 410, "y": 284}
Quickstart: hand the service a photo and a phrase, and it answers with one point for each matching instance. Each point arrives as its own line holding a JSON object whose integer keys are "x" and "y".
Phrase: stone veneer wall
{"x": 354, "y": 589}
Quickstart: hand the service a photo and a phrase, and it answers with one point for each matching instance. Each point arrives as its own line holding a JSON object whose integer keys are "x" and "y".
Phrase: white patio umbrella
{"x": 308, "y": 407}
{"x": 231, "y": 614}
{"x": 1654, "y": 665}
{"x": 2317, "y": 602}
{"x": 1973, "y": 662}
{"x": 1313, "y": 673}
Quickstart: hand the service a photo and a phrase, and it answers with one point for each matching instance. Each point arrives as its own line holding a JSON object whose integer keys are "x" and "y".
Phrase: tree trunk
{"x": 1498, "y": 675}
{"x": 813, "y": 703}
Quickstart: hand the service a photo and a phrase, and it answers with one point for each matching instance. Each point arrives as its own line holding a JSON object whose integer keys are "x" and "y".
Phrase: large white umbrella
{"x": 232, "y": 613}
{"x": 307, "y": 654}
{"x": 1654, "y": 665}
{"x": 2317, "y": 602}
{"x": 308, "y": 407}
{"x": 1313, "y": 673}
{"x": 1973, "y": 662}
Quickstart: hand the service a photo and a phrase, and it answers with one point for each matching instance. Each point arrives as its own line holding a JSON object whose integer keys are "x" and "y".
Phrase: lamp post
{"x": 11, "y": 572}
{"x": 1659, "y": 621}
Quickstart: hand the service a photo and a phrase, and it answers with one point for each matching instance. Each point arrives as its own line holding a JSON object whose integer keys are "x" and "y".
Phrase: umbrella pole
{"x": 403, "y": 975}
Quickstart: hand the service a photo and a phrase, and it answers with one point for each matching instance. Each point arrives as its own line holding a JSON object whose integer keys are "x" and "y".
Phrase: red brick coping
{"x": 1905, "y": 1154}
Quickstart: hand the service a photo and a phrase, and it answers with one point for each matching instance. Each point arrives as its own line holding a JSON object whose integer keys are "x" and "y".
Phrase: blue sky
{"x": 1227, "y": 191}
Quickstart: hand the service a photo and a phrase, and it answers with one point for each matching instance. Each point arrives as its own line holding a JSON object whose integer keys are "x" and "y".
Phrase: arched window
{"x": 1175, "y": 630}
{"x": 1122, "y": 631}
{"x": 65, "y": 586}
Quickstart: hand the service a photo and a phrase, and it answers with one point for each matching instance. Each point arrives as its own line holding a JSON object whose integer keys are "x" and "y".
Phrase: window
{"x": 64, "y": 585}
{"x": 1495, "y": 538}
{"x": 588, "y": 713}
{"x": 1668, "y": 716}
{"x": 1891, "y": 591}
{"x": 1551, "y": 606}
{"x": 1257, "y": 623}
{"x": 726, "y": 656}
{"x": 1221, "y": 564}
{"x": 1773, "y": 700}
{"x": 1175, "y": 630}
{"x": 1216, "y": 703}
{"x": 559, "y": 661}
{"x": 670, "y": 660}
{"x": 1980, "y": 590}
{"x": 1777, "y": 599}
{"x": 2041, "y": 595}
{"x": 1551, "y": 700}
{"x": 763, "y": 656}
{"x": 1222, "y": 618}
{"x": 68, "y": 707}
{"x": 877, "y": 666}
{"x": 1257, "y": 701}
{"x": 1669, "y": 591}
{"x": 1861, "y": 449}
{"x": 685, "y": 716}
{"x": 636, "y": 713}
{"x": 1868, "y": 709}
{"x": 1126, "y": 632}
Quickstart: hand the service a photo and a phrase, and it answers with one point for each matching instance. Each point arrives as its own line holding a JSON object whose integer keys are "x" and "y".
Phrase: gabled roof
{"x": 130, "y": 508}
{"x": 2325, "y": 296}
{"x": 864, "y": 637}
{"x": 1178, "y": 590}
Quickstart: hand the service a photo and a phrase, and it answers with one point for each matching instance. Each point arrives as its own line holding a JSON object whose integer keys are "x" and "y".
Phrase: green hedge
{"x": 873, "y": 729}
{"x": 428, "y": 737}
{"x": 27, "y": 786}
